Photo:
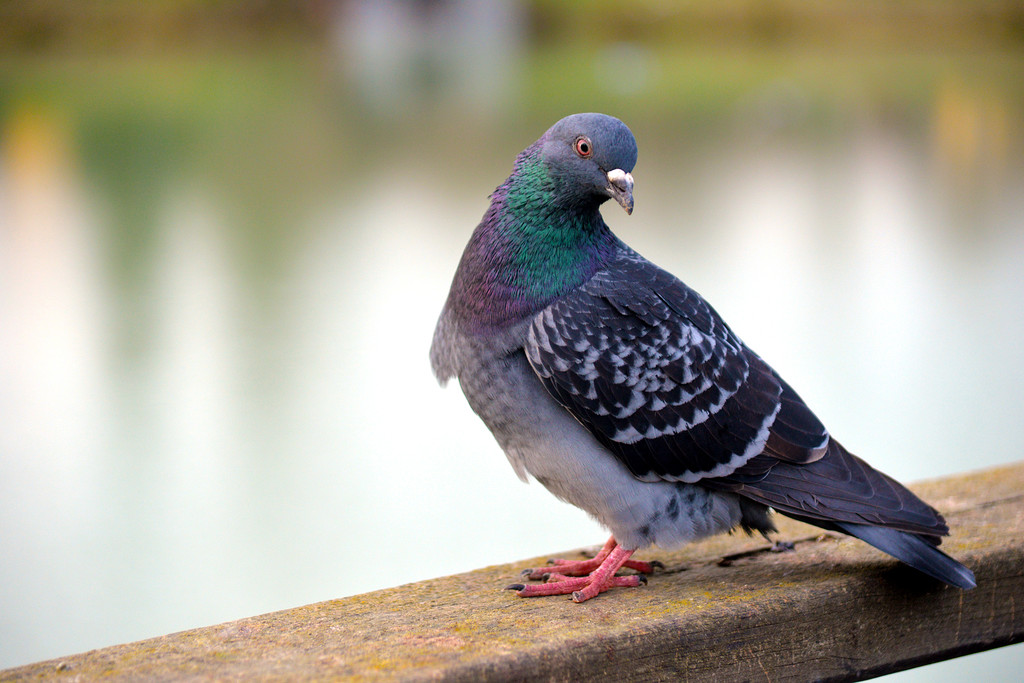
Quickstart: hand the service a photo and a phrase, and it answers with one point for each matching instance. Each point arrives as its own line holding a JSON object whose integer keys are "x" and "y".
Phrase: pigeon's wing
{"x": 839, "y": 487}
{"x": 654, "y": 373}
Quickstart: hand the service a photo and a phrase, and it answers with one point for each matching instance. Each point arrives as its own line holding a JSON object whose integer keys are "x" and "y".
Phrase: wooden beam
{"x": 727, "y": 609}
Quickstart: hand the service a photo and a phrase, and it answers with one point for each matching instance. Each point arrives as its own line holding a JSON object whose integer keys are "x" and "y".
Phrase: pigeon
{"x": 624, "y": 393}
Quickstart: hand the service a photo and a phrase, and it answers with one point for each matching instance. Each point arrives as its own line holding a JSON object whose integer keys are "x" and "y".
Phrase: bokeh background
{"x": 227, "y": 227}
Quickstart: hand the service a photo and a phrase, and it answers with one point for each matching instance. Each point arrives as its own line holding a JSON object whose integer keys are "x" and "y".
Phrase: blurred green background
{"x": 226, "y": 230}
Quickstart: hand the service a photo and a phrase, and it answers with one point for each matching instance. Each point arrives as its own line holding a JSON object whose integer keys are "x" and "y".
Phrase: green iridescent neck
{"x": 552, "y": 248}
{"x": 529, "y": 249}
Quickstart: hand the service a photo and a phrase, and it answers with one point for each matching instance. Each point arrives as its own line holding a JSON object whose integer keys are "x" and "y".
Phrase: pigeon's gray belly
{"x": 543, "y": 439}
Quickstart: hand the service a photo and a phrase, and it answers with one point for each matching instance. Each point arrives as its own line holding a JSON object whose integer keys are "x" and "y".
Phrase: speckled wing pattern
{"x": 654, "y": 373}
{"x": 662, "y": 382}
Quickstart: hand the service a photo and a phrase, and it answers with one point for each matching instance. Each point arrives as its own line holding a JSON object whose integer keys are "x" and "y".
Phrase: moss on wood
{"x": 833, "y": 609}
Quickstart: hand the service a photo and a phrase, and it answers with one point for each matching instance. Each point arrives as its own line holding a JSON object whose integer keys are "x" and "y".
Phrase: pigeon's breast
{"x": 542, "y": 439}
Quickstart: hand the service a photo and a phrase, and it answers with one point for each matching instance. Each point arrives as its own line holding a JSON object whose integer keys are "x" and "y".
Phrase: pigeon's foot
{"x": 585, "y": 567}
{"x": 600, "y": 578}
{"x": 581, "y": 587}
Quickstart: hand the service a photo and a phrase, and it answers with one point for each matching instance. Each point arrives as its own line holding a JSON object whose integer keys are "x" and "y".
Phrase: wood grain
{"x": 729, "y": 609}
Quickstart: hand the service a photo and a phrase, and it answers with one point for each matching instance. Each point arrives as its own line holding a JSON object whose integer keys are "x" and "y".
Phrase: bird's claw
{"x": 585, "y": 567}
{"x": 583, "y": 579}
{"x": 538, "y": 574}
{"x": 580, "y": 587}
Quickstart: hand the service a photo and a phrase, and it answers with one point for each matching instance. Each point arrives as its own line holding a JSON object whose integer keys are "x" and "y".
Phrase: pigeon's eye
{"x": 583, "y": 147}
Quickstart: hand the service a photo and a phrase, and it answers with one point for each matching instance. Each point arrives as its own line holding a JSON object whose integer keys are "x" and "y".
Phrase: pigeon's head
{"x": 589, "y": 158}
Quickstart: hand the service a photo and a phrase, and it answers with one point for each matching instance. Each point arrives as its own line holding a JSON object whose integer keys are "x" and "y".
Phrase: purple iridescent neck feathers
{"x": 533, "y": 245}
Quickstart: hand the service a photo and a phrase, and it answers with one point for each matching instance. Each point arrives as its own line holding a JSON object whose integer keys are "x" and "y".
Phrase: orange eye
{"x": 583, "y": 147}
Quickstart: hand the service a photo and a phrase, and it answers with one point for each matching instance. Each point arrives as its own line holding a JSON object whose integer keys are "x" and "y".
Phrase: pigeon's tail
{"x": 915, "y": 551}
{"x": 841, "y": 492}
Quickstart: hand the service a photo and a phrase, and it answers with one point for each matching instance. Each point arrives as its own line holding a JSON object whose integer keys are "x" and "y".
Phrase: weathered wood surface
{"x": 833, "y": 609}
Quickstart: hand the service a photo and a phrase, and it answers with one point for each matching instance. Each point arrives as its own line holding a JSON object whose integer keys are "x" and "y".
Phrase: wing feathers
{"x": 650, "y": 368}
{"x": 837, "y": 487}
{"x": 656, "y": 375}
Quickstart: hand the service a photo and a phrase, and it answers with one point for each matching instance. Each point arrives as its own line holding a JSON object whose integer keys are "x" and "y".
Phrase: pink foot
{"x": 601, "y": 575}
{"x": 585, "y": 567}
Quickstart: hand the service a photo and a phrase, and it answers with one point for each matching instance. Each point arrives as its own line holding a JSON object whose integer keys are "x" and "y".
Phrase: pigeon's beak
{"x": 620, "y": 188}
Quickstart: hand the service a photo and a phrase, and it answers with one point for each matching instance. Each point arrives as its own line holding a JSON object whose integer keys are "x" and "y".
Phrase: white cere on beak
{"x": 620, "y": 188}
{"x": 621, "y": 179}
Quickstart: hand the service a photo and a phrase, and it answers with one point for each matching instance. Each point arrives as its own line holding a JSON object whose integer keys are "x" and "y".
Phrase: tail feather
{"x": 838, "y": 487}
{"x": 915, "y": 551}
{"x": 841, "y": 492}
